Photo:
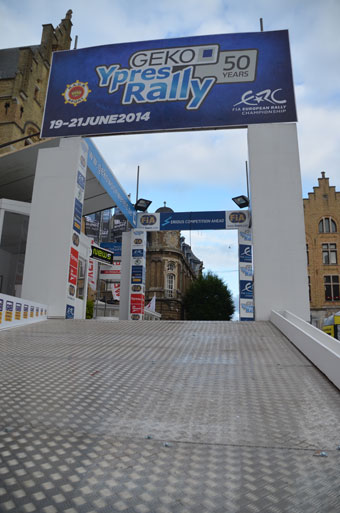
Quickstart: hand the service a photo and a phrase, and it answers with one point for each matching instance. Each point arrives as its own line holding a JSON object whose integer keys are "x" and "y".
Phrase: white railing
{"x": 15, "y": 311}
{"x": 320, "y": 348}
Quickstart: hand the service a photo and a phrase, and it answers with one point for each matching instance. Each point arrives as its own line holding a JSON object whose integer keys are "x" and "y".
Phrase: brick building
{"x": 322, "y": 223}
{"x": 23, "y": 83}
{"x": 171, "y": 267}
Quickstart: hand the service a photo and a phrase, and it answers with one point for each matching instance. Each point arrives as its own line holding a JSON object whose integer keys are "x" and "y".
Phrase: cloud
{"x": 319, "y": 141}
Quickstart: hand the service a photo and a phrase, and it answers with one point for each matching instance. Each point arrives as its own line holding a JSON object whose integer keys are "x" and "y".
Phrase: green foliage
{"x": 208, "y": 299}
{"x": 89, "y": 309}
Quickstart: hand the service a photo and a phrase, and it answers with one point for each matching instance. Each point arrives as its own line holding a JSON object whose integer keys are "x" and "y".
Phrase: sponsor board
{"x": 9, "y": 311}
{"x": 246, "y": 310}
{"x": 109, "y": 182}
{"x": 246, "y": 275}
{"x": 14, "y": 312}
{"x": 18, "y": 308}
{"x": 193, "y": 220}
{"x": 246, "y": 289}
{"x": 150, "y": 222}
{"x": 92, "y": 274}
{"x": 73, "y": 267}
{"x": 237, "y": 219}
{"x": 201, "y": 82}
{"x": 246, "y": 271}
{"x": 245, "y": 253}
{"x": 137, "y": 274}
{"x": 113, "y": 273}
{"x": 69, "y": 314}
{"x": 115, "y": 247}
{"x": 101, "y": 254}
{"x": 245, "y": 236}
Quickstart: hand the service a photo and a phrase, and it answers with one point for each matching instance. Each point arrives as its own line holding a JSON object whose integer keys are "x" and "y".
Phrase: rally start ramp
{"x": 164, "y": 417}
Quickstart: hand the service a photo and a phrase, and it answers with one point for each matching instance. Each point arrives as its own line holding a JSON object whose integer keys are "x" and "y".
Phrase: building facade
{"x": 23, "y": 84}
{"x": 322, "y": 223}
{"x": 171, "y": 267}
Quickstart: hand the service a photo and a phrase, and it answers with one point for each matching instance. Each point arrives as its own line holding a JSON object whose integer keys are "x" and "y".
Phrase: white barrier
{"x": 15, "y": 311}
{"x": 321, "y": 349}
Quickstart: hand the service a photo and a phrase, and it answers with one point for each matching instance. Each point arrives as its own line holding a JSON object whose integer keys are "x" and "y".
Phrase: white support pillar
{"x": 132, "y": 284}
{"x": 125, "y": 277}
{"x": 52, "y": 251}
{"x": 279, "y": 241}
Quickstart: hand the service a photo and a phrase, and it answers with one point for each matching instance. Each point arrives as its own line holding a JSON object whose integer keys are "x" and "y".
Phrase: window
{"x": 309, "y": 289}
{"x": 171, "y": 266}
{"x": 170, "y": 285}
{"x": 307, "y": 251}
{"x": 332, "y": 292}
{"x": 327, "y": 225}
{"x": 81, "y": 278}
{"x": 329, "y": 255}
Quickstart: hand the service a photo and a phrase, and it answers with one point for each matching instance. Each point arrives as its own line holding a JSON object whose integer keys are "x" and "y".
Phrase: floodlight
{"x": 241, "y": 201}
{"x": 142, "y": 204}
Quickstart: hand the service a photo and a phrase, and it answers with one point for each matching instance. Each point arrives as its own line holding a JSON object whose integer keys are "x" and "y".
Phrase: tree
{"x": 208, "y": 299}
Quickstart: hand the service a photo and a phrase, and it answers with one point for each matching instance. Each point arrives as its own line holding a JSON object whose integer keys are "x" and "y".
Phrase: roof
{"x": 164, "y": 209}
{"x": 9, "y": 60}
{"x": 17, "y": 173}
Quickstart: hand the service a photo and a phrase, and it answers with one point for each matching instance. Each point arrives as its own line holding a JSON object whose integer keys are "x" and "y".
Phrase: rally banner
{"x": 201, "y": 82}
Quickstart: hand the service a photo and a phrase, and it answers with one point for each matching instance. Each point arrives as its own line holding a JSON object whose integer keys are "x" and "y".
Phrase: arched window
{"x": 171, "y": 266}
{"x": 327, "y": 225}
{"x": 170, "y": 285}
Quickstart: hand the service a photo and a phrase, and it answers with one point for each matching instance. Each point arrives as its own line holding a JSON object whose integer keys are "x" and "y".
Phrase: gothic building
{"x": 24, "y": 75}
{"x": 322, "y": 223}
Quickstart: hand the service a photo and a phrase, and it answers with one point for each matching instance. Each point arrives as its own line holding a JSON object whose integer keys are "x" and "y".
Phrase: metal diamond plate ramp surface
{"x": 216, "y": 417}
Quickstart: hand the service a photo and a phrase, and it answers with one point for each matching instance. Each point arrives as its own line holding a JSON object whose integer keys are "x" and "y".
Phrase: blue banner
{"x": 245, "y": 253}
{"x": 115, "y": 247}
{"x": 187, "y": 83}
{"x": 193, "y": 220}
{"x": 106, "y": 178}
{"x": 246, "y": 289}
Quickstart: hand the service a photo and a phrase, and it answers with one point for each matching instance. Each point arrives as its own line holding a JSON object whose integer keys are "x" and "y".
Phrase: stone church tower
{"x": 24, "y": 75}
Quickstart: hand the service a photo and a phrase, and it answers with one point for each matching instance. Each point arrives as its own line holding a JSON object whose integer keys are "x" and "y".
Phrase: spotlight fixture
{"x": 241, "y": 201}
{"x": 142, "y": 204}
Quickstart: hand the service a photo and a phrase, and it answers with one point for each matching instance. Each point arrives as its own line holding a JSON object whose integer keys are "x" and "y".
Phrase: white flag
{"x": 152, "y": 305}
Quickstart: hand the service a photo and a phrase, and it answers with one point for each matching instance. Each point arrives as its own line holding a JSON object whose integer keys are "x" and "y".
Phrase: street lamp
{"x": 142, "y": 204}
{"x": 241, "y": 201}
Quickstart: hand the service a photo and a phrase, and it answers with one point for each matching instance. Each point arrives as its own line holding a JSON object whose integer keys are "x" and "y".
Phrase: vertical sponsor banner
{"x": 1, "y": 309}
{"x": 246, "y": 275}
{"x": 116, "y": 291}
{"x": 79, "y": 192}
{"x": 92, "y": 274}
{"x": 137, "y": 275}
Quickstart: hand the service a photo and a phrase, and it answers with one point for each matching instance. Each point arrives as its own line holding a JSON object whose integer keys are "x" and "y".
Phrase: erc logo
{"x": 76, "y": 93}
